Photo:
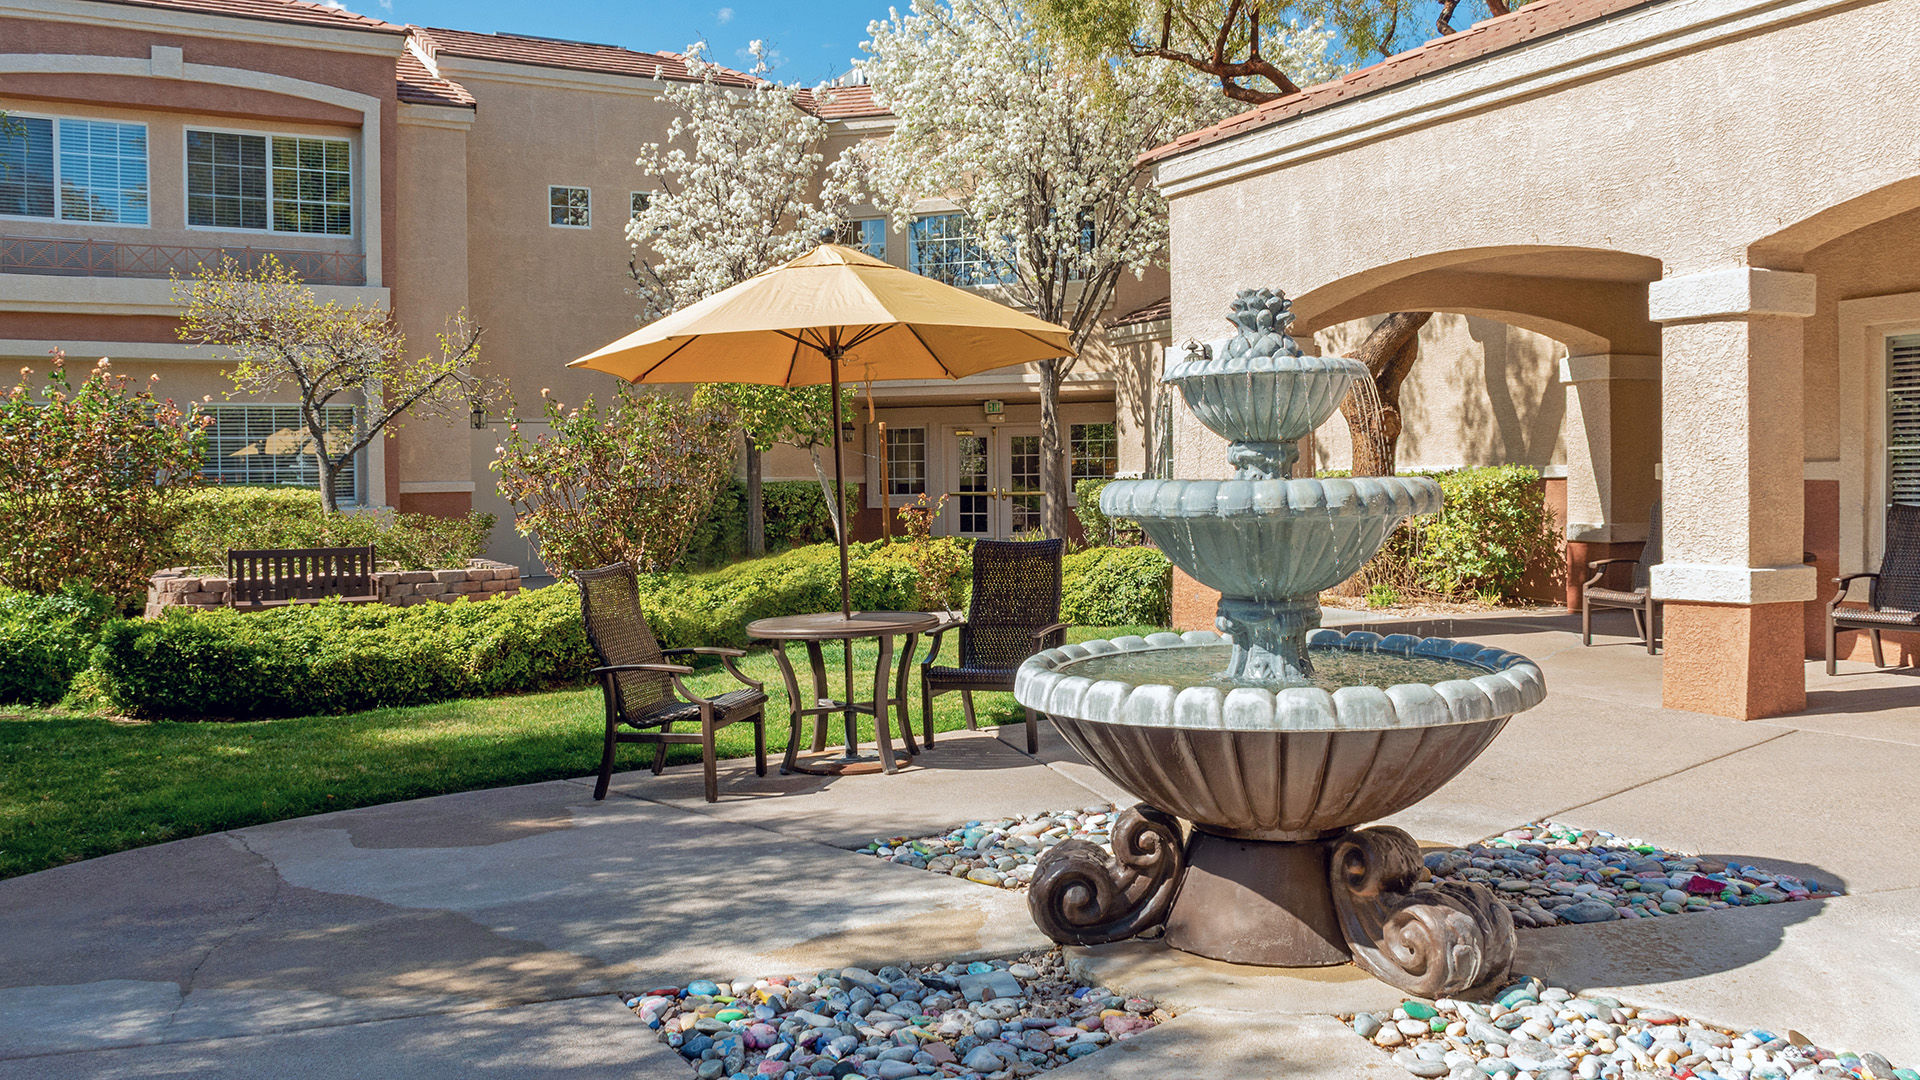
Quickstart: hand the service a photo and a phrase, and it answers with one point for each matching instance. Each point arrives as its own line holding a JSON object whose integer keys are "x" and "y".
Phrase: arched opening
{"x": 1538, "y": 356}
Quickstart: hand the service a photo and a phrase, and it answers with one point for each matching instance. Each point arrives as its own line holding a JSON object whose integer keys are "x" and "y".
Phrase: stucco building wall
{"x": 1616, "y": 186}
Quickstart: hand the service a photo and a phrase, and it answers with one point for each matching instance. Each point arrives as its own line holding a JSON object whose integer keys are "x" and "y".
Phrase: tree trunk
{"x": 756, "y": 504}
{"x": 323, "y": 463}
{"x": 1389, "y": 352}
{"x": 329, "y": 502}
{"x": 1053, "y": 457}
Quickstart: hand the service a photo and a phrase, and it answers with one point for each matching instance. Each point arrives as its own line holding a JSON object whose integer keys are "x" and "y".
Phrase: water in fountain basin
{"x": 1206, "y": 665}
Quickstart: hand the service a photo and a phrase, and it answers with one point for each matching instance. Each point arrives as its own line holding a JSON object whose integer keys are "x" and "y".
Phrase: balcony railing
{"x": 103, "y": 258}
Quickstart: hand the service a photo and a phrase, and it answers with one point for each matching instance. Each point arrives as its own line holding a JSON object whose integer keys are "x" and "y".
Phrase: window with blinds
{"x": 1903, "y": 420}
{"x": 269, "y": 445}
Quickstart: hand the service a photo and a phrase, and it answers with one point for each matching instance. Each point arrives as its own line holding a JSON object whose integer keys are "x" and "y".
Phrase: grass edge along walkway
{"x": 75, "y": 786}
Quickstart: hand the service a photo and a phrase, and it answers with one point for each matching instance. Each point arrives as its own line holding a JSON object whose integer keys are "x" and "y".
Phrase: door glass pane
{"x": 973, "y": 511}
{"x": 1023, "y": 481}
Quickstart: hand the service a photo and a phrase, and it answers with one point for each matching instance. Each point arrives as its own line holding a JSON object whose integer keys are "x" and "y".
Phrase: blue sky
{"x": 813, "y": 40}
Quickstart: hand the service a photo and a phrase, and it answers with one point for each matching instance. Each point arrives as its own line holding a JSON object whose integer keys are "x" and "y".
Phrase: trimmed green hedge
{"x": 1494, "y": 529}
{"x": 218, "y": 518}
{"x": 1124, "y": 586}
{"x": 333, "y": 657}
{"x": 44, "y": 640}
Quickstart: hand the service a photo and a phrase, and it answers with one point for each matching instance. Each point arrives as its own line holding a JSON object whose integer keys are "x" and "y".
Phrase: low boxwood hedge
{"x": 333, "y": 658}
{"x": 1117, "y": 586}
{"x": 44, "y": 640}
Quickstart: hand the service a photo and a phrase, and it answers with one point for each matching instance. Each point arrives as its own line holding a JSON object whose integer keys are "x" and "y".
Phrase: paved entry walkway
{"x": 484, "y": 934}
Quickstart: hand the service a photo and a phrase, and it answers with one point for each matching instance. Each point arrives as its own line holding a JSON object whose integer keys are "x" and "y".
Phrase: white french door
{"x": 995, "y": 492}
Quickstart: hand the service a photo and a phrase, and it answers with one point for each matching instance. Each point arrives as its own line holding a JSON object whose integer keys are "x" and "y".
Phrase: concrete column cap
{"x": 1707, "y": 583}
{"x": 1742, "y": 292}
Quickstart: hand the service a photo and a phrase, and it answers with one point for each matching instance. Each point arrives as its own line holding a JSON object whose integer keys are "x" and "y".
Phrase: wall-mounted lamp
{"x": 846, "y": 431}
{"x": 478, "y": 417}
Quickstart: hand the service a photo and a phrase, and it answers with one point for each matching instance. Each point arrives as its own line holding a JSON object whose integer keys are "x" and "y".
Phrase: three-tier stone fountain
{"x": 1273, "y": 740}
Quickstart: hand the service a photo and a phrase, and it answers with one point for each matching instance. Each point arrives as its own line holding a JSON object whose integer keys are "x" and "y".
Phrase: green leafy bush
{"x": 1109, "y": 586}
{"x": 1098, "y": 527}
{"x": 1495, "y": 527}
{"x": 217, "y": 518}
{"x": 44, "y": 640}
{"x": 796, "y": 516}
{"x": 332, "y": 657}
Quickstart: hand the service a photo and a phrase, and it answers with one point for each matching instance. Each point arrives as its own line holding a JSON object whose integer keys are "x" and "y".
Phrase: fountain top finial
{"x": 1263, "y": 316}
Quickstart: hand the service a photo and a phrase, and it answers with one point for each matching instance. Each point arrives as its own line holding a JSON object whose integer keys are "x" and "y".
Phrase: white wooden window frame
{"x": 54, "y": 121}
{"x": 900, "y": 498}
{"x": 353, "y": 182}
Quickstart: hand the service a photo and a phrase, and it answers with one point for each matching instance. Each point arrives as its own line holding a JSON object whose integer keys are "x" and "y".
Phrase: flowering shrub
{"x": 942, "y": 565}
{"x": 87, "y": 478}
{"x": 626, "y": 481}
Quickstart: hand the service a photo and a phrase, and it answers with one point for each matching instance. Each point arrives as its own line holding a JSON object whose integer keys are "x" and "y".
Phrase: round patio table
{"x": 813, "y": 631}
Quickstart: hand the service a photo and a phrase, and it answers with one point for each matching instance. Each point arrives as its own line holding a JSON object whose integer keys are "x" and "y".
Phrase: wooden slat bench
{"x": 275, "y": 577}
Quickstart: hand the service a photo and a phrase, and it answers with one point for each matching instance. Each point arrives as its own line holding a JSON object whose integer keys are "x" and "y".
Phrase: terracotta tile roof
{"x": 1537, "y": 20}
{"x": 1159, "y": 309}
{"x": 290, "y": 11}
{"x": 572, "y": 55}
{"x": 841, "y": 103}
{"x": 415, "y": 85}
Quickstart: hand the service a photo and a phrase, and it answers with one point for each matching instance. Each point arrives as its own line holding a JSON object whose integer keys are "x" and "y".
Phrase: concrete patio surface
{"x": 486, "y": 933}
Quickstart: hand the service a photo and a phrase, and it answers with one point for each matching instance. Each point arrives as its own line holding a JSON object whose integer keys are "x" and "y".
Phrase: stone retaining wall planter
{"x": 480, "y": 579}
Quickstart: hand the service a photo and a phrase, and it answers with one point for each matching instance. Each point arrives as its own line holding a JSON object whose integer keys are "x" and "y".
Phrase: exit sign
{"x": 995, "y": 408}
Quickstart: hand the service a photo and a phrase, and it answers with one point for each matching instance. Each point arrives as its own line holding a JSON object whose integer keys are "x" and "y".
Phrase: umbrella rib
{"x": 915, "y": 331}
{"x": 664, "y": 359}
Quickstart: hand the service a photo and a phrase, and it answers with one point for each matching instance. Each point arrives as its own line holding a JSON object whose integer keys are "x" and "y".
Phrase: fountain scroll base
{"x": 1352, "y": 896}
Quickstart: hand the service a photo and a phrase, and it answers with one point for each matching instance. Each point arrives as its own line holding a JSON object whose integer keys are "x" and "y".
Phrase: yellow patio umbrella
{"x": 831, "y": 314}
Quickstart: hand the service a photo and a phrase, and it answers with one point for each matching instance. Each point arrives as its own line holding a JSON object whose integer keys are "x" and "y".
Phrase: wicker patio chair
{"x": 645, "y": 693}
{"x": 1893, "y": 594}
{"x": 1638, "y": 597}
{"x": 1014, "y": 612}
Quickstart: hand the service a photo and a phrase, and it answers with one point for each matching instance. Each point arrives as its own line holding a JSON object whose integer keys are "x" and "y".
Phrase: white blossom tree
{"x": 736, "y": 197}
{"x": 1040, "y": 150}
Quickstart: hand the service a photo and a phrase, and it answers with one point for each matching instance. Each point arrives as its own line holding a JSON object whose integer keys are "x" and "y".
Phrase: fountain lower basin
{"x": 1296, "y": 763}
{"x": 1274, "y": 781}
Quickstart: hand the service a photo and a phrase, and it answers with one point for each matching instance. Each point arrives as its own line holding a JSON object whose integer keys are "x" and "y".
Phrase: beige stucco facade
{"x": 451, "y": 178}
{"x": 1701, "y": 202}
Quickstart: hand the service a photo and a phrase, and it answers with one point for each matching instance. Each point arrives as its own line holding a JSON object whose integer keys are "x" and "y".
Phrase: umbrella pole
{"x": 839, "y": 478}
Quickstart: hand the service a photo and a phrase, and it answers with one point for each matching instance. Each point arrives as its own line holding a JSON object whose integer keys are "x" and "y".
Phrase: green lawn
{"x": 73, "y": 786}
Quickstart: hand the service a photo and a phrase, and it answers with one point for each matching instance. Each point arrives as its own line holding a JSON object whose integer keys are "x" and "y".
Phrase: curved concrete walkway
{"x": 485, "y": 934}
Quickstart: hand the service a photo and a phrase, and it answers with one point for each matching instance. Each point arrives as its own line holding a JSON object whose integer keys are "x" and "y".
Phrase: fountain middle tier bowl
{"x": 1293, "y": 764}
{"x": 1270, "y": 539}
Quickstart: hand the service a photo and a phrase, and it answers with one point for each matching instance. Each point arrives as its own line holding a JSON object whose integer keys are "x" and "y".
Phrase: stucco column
{"x": 1733, "y": 414}
{"x": 1612, "y": 438}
